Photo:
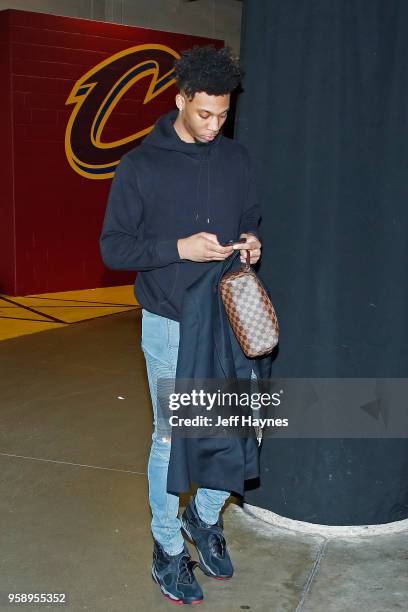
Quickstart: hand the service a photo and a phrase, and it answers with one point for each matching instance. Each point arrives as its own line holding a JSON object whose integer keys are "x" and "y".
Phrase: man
{"x": 175, "y": 203}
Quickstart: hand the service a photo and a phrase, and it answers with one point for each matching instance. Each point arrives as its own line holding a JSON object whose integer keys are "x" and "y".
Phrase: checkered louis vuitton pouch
{"x": 250, "y": 311}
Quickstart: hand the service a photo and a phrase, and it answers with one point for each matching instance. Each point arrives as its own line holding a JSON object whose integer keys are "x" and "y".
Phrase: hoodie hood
{"x": 164, "y": 136}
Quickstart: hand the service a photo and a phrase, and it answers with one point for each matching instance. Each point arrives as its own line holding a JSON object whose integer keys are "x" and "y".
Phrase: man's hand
{"x": 203, "y": 247}
{"x": 252, "y": 245}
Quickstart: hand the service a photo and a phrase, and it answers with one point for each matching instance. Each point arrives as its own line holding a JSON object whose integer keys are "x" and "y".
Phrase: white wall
{"x": 213, "y": 18}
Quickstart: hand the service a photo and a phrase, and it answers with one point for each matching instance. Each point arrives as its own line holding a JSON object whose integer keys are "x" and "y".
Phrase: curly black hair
{"x": 214, "y": 71}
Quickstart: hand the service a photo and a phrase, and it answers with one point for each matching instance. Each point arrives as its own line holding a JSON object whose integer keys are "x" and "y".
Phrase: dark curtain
{"x": 324, "y": 113}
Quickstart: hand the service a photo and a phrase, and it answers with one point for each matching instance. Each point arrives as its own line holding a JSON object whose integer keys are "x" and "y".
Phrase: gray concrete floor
{"x": 73, "y": 500}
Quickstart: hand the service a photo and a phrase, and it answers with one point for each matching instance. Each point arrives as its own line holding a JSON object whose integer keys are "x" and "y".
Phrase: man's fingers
{"x": 218, "y": 249}
{"x": 214, "y": 245}
{"x": 218, "y": 256}
{"x": 243, "y": 245}
{"x": 249, "y": 245}
{"x": 253, "y": 253}
{"x": 211, "y": 237}
{"x": 251, "y": 261}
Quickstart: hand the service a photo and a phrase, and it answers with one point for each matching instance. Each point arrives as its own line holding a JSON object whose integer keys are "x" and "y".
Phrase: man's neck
{"x": 182, "y": 133}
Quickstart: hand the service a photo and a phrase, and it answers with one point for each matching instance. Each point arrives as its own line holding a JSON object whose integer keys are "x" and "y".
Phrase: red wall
{"x": 51, "y": 208}
{"x": 7, "y": 229}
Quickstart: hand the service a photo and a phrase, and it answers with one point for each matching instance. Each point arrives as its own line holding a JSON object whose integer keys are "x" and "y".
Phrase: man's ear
{"x": 180, "y": 103}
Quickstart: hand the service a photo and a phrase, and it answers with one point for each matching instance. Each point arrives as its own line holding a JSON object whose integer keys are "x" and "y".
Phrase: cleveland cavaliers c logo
{"x": 96, "y": 95}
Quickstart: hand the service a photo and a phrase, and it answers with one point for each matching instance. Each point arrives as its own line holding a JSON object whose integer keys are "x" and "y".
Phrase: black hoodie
{"x": 166, "y": 189}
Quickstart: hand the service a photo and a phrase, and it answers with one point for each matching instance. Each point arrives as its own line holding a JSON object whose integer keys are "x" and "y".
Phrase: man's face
{"x": 204, "y": 115}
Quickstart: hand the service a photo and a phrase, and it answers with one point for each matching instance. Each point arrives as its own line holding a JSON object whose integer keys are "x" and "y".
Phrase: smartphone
{"x": 231, "y": 242}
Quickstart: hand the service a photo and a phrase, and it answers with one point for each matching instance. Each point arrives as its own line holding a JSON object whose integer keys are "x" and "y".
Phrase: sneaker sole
{"x": 202, "y": 565}
{"x": 169, "y": 597}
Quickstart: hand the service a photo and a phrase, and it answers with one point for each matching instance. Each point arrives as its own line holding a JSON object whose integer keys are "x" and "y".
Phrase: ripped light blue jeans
{"x": 160, "y": 341}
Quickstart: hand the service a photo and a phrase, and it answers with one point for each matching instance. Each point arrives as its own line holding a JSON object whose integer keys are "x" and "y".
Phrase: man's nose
{"x": 214, "y": 124}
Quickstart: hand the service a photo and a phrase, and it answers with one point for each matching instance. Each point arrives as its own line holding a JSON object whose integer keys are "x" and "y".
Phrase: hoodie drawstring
{"x": 197, "y": 191}
{"x": 197, "y": 216}
{"x": 208, "y": 190}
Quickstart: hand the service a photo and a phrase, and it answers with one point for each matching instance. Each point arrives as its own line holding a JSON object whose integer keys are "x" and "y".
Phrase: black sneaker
{"x": 174, "y": 574}
{"x": 210, "y": 543}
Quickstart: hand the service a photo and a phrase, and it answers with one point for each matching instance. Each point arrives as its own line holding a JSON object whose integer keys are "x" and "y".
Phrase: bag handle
{"x": 246, "y": 267}
{"x": 227, "y": 263}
